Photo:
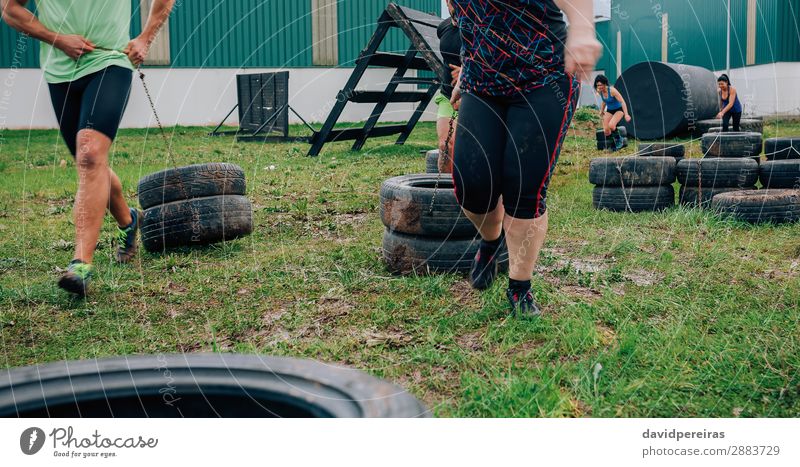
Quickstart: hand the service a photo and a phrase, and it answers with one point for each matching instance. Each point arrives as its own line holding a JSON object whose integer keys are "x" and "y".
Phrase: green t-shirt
{"x": 106, "y": 23}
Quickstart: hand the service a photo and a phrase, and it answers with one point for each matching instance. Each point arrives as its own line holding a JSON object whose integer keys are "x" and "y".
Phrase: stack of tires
{"x": 702, "y": 179}
{"x": 194, "y": 205}
{"x": 426, "y": 231}
{"x": 676, "y": 150}
{"x": 633, "y": 184}
{"x": 758, "y": 206}
{"x": 701, "y": 127}
{"x": 782, "y": 169}
{"x": 732, "y": 144}
{"x": 604, "y": 142}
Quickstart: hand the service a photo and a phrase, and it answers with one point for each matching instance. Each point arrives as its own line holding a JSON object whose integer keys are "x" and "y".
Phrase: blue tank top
{"x": 612, "y": 104}
{"x": 737, "y": 106}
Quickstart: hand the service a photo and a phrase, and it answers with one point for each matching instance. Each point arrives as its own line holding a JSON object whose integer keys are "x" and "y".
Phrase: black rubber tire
{"x": 780, "y": 174}
{"x": 718, "y": 172}
{"x": 632, "y": 171}
{"x": 730, "y": 144}
{"x": 200, "y": 385}
{"x": 676, "y": 150}
{"x": 702, "y": 127}
{"x": 200, "y": 221}
{"x": 406, "y": 207}
{"x": 691, "y": 196}
{"x": 413, "y": 254}
{"x": 189, "y": 182}
{"x": 782, "y": 148}
{"x": 639, "y": 199}
{"x": 601, "y": 136}
{"x": 432, "y": 162}
{"x": 757, "y": 206}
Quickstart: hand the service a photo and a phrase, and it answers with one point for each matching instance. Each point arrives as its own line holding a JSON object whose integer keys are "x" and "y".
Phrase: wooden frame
{"x": 423, "y": 54}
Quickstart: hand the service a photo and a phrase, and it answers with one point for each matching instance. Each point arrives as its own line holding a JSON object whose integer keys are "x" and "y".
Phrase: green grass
{"x": 662, "y": 314}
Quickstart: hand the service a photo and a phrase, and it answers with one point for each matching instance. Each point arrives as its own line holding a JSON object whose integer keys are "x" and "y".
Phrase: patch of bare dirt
{"x": 471, "y": 341}
{"x": 643, "y": 278}
{"x": 393, "y": 338}
{"x": 465, "y": 295}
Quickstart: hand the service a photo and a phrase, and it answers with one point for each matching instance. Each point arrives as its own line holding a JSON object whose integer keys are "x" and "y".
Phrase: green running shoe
{"x": 76, "y": 279}
{"x": 126, "y": 238}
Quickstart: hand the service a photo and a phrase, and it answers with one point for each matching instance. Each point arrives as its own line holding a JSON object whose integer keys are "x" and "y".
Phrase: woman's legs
{"x": 607, "y": 124}
{"x": 614, "y": 120}
{"x": 737, "y": 118}
{"x": 726, "y": 121}
{"x": 537, "y": 126}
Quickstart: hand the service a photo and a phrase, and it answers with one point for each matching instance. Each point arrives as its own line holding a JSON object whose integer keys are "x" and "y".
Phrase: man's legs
{"x": 98, "y": 188}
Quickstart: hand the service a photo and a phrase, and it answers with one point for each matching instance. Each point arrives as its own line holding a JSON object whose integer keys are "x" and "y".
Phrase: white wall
{"x": 771, "y": 89}
{"x": 200, "y": 97}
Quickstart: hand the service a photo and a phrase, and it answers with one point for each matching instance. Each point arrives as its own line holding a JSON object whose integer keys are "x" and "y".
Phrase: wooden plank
{"x": 370, "y": 97}
{"x": 324, "y": 32}
{"x": 390, "y": 60}
{"x": 423, "y": 38}
{"x": 345, "y": 134}
{"x": 417, "y": 16}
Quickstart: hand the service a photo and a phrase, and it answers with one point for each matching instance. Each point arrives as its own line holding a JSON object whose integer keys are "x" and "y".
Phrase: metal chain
{"x": 447, "y": 155}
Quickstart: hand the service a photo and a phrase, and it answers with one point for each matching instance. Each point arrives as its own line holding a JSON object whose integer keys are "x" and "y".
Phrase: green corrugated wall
{"x": 247, "y": 33}
{"x": 699, "y": 32}
{"x": 277, "y": 33}
{"x": 358, "y": 20}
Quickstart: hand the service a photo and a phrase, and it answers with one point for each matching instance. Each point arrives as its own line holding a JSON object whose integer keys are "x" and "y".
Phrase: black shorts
{"x": 96, "y": 101}
{"x": 614, "y": 112}
{"x": 509, "y": 146}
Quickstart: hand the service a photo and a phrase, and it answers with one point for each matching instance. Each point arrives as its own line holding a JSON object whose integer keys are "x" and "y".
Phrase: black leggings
{"x": 96, "y": 101}
{"x": 737, "y": 117}
{"x": 509, "y": 146}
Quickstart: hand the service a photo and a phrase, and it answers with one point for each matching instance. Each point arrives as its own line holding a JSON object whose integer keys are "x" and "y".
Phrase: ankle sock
{"x": 489, "y": 248}
{"x": 519, "y": 287}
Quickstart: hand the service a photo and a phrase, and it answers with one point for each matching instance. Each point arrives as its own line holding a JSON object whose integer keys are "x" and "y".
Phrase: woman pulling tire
{"x": 729, "y": 104}
{"x": 513, "y": 117}
{"x": 612, "y": 110}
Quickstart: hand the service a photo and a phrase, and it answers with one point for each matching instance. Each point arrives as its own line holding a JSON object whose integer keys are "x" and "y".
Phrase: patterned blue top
{"x": 510, "y": 46}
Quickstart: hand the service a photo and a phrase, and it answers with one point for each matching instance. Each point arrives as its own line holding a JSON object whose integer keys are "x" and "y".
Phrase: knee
{"x": 90, "y": 157}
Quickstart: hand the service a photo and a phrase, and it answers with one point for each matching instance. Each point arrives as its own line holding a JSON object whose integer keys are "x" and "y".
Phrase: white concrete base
{"x": 768, "y": 89}
{"x": 201, "y": 97}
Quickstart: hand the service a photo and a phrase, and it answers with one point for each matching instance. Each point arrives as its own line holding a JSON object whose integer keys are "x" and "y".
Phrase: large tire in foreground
{"x": 702, "y": 127}
{"x": 411, "y": 254}
{"x": 757, "y": 206}
{"x": 692, "y": 196}
{"x": 199, "y": 221}
{"x": 200, "y": 385}
{"x": 781, "y": 174}
{"x": 676, "y": 150}
{"x": 191, "y": 181}
{"x": 406, "y": 207}
{"x": 717, "y": 172}
{"x": 432, "y": 161}
{"x": 638, "y": 199}
{"x": 730, "y": 144}
{"x": 782, "y": 148}
{"x": 632, "y": 171}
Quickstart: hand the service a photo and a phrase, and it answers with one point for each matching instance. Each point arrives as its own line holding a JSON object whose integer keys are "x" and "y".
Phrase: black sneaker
{"x": 523, "y": 305}
{"x": 126, "y": 238}
{"x": 484, "y": 269}
{"x": 76, "y": 279}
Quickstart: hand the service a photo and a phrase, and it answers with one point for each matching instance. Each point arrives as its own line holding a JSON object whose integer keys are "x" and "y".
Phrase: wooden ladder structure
{"x": 422, "y": 55}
